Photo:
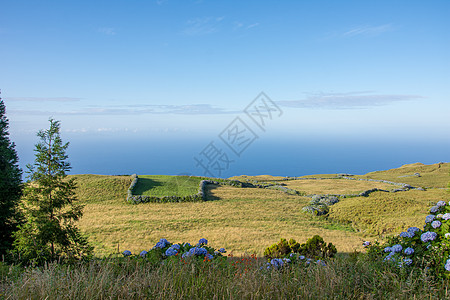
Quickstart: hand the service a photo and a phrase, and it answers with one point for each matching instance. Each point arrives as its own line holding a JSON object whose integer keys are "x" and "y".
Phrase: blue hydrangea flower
{"x": 429, "y": 218}
{"x": 195, "y": 251}
{"x": 406, "y": 234}
{"x": 203, "y": 241}
{"x": 441, "y": 203}
{"x": 428, "y": 236}
{"x": 321, "y": 262}
{"x": 439, "y": 216}
{"x": 302, "y": 257}
{"x": 447, "y": 235}
{"x": 436, "y": 224}
{"x": 396, "y": 248}
{"x": 390, "y": 257}
{"x": 126, "y": 253}
{"x": 291, "y": 255}
{"x": 161, "y": 244}
{"x": 222, "y": 250}
{"x": 143, "y": 253}
{"x": 434, "y": 209}
{"x": 447, "y": 265}
{"x": 186, "y": 245}
{"x": 176, "y": 246}
{"x": 407, "y": 261}
{"x": 277, "y": 262}
{"x": 446, "y": 216}
{"x": 388, "y": 249}
{"x": 409, "y": 251}
{"x": 171, "y": 251}
{"x": 412, "y": 229}
{"x": 366, "y": 244}
{"x": 209, "y": 256}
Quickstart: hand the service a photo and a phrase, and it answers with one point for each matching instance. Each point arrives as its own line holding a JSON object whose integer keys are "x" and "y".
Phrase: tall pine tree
{"x": 10, "y": 184}
{"x": 50, "y": 205}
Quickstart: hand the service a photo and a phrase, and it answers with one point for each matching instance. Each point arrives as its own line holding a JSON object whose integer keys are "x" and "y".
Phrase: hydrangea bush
{"x": 163, "y": 250}
{"x": 428, "y": 248}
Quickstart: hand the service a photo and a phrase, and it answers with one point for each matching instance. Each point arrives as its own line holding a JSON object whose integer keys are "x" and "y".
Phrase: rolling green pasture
{"x": 163, "y": 185}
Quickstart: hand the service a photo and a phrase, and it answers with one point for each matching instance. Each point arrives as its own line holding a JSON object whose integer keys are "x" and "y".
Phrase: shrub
{"x": 428, "y": 248}
{"x": 314, "y": 247}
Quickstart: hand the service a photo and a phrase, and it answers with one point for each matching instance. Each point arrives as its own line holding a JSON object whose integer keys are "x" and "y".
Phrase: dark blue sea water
{"x": 275, "y": 156}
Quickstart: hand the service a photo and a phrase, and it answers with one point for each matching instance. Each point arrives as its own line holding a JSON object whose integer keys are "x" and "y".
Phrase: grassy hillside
{"x": 248, "y": 220}
{"x": 436, "y": 175}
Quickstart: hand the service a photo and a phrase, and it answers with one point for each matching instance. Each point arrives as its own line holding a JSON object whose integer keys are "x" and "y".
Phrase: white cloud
{"x": 188, "y": 109}
{"x": 252, "y": 25}
{"x": 107, "y": 30}
{"x": 368, "y": 30}
{"x": 202, "y": 26}
{"x": 44, "y": 99}
{"x": 351, "y": 100}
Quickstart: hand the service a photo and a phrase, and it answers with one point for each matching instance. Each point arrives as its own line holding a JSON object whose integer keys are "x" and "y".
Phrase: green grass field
{"x": 162, "y": 185}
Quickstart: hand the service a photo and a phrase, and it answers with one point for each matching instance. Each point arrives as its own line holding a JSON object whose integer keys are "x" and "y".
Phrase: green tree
{"x": 50, "y": 205}
{"x": 10, "y": 185}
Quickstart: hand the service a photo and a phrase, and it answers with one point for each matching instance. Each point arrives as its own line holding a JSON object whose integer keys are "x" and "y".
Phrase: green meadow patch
{"x": 164, "y": 185}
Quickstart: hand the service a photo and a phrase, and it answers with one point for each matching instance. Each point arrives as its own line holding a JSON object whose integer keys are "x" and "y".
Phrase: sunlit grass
{"x": 336, "y": 186}
{"x": 162, "y": 185}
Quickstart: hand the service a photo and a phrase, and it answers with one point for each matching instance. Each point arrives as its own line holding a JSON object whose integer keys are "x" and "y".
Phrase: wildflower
{"x": 441, "y": 203}
{"x": 390, "y": 257}
{"x": 447, "y": 265}
{"x": 406, "y": 234}
{"x": 412, "y": 230}
{"x": 434, "y": 209}
{"x": 277, "y": 263}
{"x": 161, "y": 244}
{"x": 143, "y": 253}
{"x": 409, "y": 251}
{"x": 446, "y": 216}
{"x": 321, "y": 262}
{"x": 396, "y": 248}
{"x": 388, "y": 249}
{"x": 203, "y": 242}
{"x": 407, "y": 261}
{"x": 171, "y": 251}
{"x": 209, "y": 256}
{"x": 222, "y": 250}
{"x": 436, "y": 224}
{"x": 428, "y": 236}
{"x": 429, "y": 218}
{"x": 126, "y": 253}
{"x": 366, "y": 244}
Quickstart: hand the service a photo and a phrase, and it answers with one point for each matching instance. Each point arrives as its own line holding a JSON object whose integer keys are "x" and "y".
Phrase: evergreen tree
{"x": 50, "y": 205}
{"x": 10, "y": 185}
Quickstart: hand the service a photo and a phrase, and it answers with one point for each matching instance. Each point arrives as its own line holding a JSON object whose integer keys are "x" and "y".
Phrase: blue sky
{"x": 168, "y": 70}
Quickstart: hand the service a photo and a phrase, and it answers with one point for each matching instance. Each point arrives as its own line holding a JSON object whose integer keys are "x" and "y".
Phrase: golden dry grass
{"x": 387, "y": 213}
{"x": 243, "y": 220}
{"x": 248, "y": 220}
{"x": 435, "y": 175}
{"x": 336, "y": 186}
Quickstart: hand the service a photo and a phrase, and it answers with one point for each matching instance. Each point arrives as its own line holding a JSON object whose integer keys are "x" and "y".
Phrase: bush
{"x": 314, "y": 247}
{"x": 415, "y": 248}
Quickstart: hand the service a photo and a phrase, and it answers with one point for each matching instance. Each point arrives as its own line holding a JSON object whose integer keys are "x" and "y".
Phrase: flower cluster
{"x": 164, "y": 250}
{"x": 429, "y": 248}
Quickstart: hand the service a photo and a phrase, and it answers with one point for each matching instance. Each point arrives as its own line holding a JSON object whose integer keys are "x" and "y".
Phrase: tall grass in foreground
{"x": 239, "y": 278}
